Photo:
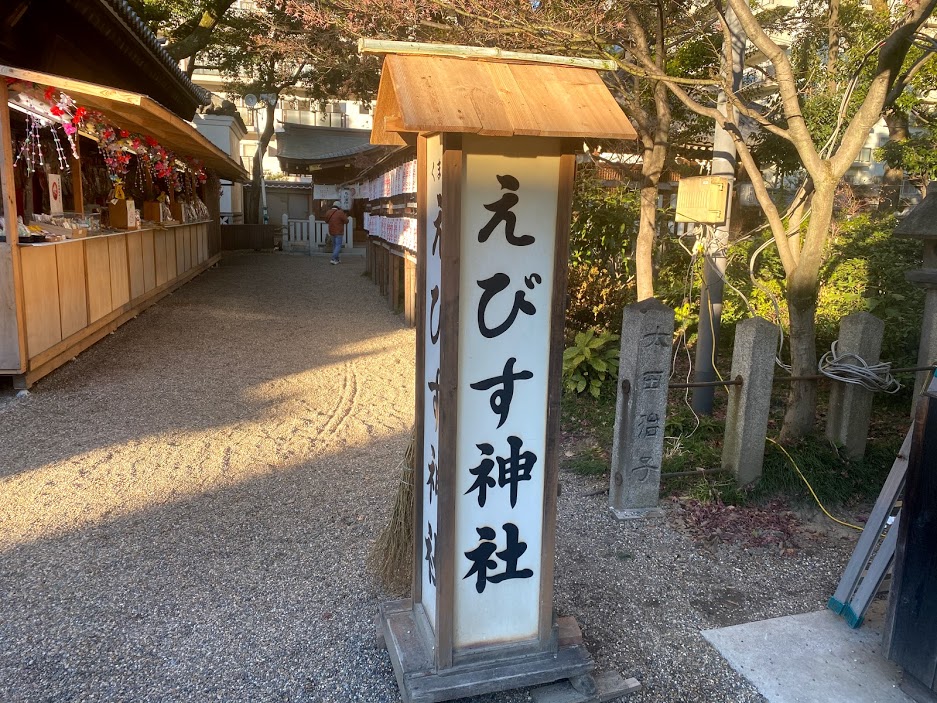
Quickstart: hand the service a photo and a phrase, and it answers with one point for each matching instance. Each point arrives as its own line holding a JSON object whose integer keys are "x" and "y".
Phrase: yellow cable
{"x": 812, "y": 492}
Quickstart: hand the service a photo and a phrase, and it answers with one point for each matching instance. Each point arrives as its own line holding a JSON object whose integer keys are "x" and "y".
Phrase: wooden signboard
{"x": 492, "y": 245}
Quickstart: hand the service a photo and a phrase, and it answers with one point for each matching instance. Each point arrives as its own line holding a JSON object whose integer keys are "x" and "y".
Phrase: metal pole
{"x": 714, "y": 258}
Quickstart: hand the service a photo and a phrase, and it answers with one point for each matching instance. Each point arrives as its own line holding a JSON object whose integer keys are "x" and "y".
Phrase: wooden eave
{"x": 138, "y": 113}
{"x": 425, "y": 94}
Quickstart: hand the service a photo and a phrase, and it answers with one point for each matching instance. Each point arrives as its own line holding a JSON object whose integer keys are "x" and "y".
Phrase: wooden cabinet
{"x": 74, "y": 292}
{"x": 41, "y": 299}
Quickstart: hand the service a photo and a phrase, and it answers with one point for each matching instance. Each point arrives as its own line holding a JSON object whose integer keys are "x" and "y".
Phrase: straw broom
{"x": 392, "y": 553}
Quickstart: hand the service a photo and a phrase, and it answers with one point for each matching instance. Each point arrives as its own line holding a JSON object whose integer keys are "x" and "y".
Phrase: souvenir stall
{"x": 390, "y": 219}
{"x": 109, "y": 203}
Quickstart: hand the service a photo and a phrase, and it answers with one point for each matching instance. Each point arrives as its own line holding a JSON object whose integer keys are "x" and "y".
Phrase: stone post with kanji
{"x": 638, "y": 442}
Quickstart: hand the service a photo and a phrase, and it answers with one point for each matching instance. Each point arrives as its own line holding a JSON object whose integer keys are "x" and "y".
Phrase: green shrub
{"x": 596, "y": 299}
{"x": 601, "y": 251}
{"x": 590, "y": 362}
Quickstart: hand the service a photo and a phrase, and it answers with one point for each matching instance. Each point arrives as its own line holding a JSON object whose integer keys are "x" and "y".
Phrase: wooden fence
{"x": 301, "y": 235}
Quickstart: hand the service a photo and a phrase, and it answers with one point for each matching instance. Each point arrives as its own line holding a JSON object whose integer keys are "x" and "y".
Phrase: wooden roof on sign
{"x": 493, "y": 98}
{"x": 137, "y": 113}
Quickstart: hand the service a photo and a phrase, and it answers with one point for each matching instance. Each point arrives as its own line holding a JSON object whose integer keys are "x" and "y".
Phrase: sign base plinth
{"x": 420, "y": 682}
{"x": 637, "y": 513}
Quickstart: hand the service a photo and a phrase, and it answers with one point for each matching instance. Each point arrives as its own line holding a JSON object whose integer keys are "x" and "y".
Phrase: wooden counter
{"x": 77, "y": 291}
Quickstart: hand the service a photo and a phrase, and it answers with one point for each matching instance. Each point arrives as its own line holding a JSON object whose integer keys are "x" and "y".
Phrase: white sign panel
{"x": 345, "y": 197}
{"x": 507, "y": 259}
{"x": 55, "y": 194}
{"x": 324, "y": 192}
{"x": 431, "y": 357}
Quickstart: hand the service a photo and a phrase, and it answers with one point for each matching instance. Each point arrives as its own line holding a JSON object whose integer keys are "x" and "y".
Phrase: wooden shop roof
{"x": 136, "y": 113}
{"x": 421, "y": 93}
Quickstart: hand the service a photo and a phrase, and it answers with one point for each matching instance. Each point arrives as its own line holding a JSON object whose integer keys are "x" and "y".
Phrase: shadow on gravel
{"x": 257, "y": 592}
{"x": 195, "y": 360}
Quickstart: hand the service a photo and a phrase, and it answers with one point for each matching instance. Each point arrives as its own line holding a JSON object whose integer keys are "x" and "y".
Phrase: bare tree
{"x": 801, "y": 248}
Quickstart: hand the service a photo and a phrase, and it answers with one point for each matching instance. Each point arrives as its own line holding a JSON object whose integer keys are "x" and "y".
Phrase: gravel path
{"x": 185, "y": 513}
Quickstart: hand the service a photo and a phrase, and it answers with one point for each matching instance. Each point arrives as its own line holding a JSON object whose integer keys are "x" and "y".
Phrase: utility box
{"x": 702, "y": 199}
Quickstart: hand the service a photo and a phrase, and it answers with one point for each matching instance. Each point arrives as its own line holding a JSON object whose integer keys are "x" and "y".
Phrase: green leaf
{"x": 581, "y": 385}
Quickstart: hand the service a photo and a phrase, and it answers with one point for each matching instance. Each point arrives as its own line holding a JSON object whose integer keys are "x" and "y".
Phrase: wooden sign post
{"x": 493, "y": 230}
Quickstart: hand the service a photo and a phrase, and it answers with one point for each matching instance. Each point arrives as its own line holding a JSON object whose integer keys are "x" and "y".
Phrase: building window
{"x": 865, "y": 155}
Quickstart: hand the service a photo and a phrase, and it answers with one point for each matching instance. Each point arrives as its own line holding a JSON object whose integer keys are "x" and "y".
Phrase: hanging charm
{"x": 64, "y": 166}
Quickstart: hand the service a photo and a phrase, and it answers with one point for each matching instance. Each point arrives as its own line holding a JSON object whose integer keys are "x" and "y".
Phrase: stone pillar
{"x": 753, "y": 357}
{"x": 847, "y": 421}
{"x": 638, "y": 443}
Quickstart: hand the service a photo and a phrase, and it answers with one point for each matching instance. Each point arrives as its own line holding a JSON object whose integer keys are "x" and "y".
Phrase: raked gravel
{"x": 186, "y": 509}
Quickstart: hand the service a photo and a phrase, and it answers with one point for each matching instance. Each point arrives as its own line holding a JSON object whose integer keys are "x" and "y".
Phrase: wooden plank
{"x": 65, "y": 351}
{"x": 913, "y": 610}
{"x": 873, "y": 530}
{"x": 160, "y": 256}
{"x": 73, "y": 295}
{"x": 564, "y": 207}
{"x": 386, "y": 110}
{"x": 450, "y": 254}
{"x": 854, "y": 612}
{"x": 458, "y": 95}
{"x": 193, "y": 246}
{"x": 135, "y": 264}
{"x": 384, "y": 46}
{"x": 120, "y": 275}
{"x": 137, "y": 113}
{"x": 172, "y": 258}
{"x": 416, "y": 590}
{"x": 149, "y": 260}
{"x": 518, "y": 110}
{"x": 12, "y": 314}
{"x": 98, "y": 271}
{"x": 41, "y": 298}
{"x": 71, "y": 85}
{"x": 181, "y": 249}
{"x": 203, "y": 243}
{"x": 610, "y": 686}
{"x": 186, "y": 248}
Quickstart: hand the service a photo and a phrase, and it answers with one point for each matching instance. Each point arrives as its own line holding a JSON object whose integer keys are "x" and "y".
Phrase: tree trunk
{"x": 253, "y": 213}
{"x": 890, "y": 200}
{"x": 647, "y": 229}
{"x": 800, "y": 417}
{"x": 803, "y": 284}
{"x": 655, "y": 156}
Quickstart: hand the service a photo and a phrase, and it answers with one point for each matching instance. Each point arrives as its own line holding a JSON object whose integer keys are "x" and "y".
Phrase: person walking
{"x": 336, "y": 219}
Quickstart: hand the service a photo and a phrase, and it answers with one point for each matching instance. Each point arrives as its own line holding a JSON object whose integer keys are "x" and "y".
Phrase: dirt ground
{"x": 186, "y": 511}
